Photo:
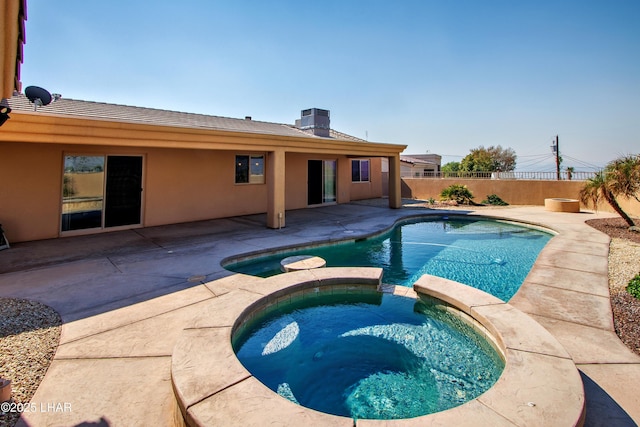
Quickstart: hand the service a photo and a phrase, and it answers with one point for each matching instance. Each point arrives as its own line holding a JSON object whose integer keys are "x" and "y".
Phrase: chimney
{"x": 315, "y": 121}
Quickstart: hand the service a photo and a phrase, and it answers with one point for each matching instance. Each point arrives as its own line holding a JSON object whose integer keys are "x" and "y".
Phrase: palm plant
{"x": 458, "y": 192}
{"x": 620, "y": 178}
{"x": 570, "y": 171}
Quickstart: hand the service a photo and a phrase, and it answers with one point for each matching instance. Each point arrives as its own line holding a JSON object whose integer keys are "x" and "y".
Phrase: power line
{"x": 537, "y": 160}
{"x": 540, "y": 161}
{"x": 583, "y": 163}
{"x": 533, "y": 155}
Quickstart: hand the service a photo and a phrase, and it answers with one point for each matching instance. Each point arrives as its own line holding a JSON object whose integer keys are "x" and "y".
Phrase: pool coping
{"x": 212, "y": 386}
{"x": 279, "y": 250}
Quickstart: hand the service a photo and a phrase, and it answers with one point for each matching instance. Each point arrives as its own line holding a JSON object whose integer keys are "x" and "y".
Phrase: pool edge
{"x": 540, "y": 384}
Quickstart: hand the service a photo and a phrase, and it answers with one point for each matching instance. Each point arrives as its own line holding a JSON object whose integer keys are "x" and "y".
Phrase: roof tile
{"x": 131, "y": 114}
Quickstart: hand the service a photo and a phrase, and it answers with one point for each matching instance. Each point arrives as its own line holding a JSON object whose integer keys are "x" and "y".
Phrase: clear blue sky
{"x": 439, "y": 76}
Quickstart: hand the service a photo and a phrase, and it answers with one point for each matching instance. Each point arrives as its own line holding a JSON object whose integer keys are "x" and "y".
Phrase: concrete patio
{"x": 125, "y": 297}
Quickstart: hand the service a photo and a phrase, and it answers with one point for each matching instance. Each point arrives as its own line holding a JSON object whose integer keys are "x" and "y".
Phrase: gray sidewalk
{"x": 126, "y": 296}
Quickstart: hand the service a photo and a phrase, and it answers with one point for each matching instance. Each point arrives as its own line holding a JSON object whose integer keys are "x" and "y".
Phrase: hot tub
{"x": 539, "y": 385}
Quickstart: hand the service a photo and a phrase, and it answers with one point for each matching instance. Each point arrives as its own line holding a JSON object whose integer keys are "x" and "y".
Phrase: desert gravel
{"x": 29, "y": 337}
{"x": 624, "y": 264}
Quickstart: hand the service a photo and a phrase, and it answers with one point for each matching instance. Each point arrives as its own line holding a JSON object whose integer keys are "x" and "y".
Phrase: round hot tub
{"x": 366, "y": 354}
{"x": 400, "y": 362}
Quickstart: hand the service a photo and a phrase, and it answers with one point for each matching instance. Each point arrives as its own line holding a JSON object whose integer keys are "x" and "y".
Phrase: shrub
{"x": 432, "y": 201}
{"x": 494, "y": 200}
{"x": 634, "y": 286}
{"x": 459, "y": 193}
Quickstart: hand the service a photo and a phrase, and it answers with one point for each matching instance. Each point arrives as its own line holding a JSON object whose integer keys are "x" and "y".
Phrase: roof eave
{"x": 59, "y": 129}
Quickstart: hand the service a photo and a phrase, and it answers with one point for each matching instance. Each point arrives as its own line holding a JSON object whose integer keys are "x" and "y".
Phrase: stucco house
{"x": 76, "y": 167}
{"x": 420, "y": 165}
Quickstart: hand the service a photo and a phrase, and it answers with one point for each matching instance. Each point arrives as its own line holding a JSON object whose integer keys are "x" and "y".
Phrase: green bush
{"x": 634, "y": 286}
{"x": 494, "y": 200}
{"x": 459, "y": 193}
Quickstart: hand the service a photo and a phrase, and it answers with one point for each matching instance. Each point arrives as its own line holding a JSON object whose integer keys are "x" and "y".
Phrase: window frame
{"x": 359, "y": 178}
{"x": 251, "y": 177}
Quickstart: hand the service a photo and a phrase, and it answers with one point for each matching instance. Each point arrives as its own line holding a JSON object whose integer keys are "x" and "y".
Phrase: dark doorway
{"x": 314, "y": 182}
{"x": 123, "y": 195}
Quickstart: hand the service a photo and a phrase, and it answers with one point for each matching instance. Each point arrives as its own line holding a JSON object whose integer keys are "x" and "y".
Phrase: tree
{"x": 620, "y": 178}
{"x": 450, "y": 169}
{"x": 489, "y": 159}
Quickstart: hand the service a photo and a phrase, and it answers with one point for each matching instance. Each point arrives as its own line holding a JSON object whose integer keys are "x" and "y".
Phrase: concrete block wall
{"x": 512, "y": 191}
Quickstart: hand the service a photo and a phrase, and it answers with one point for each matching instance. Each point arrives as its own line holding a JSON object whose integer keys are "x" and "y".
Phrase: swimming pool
{"x": 367, "y": 355}
{"x": 492, "y": 255}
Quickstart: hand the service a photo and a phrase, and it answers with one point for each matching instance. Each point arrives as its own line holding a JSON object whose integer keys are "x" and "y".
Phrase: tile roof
{"x": 415, "y": 161}
{"x": 143, "y": 115}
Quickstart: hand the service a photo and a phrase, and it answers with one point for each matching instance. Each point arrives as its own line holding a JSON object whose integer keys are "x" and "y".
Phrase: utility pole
{"x": 556, "y": 149}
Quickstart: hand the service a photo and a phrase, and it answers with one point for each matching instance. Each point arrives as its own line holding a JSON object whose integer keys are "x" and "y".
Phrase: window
{"x": 250, "y": 169}
{"x": 359, "y": 170}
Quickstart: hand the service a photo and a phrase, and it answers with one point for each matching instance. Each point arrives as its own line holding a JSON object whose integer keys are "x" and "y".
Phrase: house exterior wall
{"x": 417, "y": 170}
{"x": 193, "y": 185}
{"x": 30, "y": 191}
{"x": 12, "y": 17}
{"x": 346, "y": 191}
{"x": 373, "y": 188}
{"x": 179, "y": 185}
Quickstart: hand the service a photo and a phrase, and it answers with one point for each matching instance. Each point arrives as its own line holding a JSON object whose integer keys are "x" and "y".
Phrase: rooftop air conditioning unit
{"x": 315, "y": 121}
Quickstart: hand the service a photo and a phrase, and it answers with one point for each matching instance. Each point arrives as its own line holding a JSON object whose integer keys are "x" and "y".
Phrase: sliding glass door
{"x": 101, "y": 192}
{"x": 82, "y": 192}
{"x": 321, "y": 181}
{"x": 329, "y": 181}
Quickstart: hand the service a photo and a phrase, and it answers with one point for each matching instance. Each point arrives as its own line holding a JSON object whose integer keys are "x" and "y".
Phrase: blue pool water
{"x": 368, "y": 356}
{"x": 490, "y": 255}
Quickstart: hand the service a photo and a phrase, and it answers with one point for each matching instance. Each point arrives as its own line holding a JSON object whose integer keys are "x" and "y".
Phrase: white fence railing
{"x": 548, "y": 176}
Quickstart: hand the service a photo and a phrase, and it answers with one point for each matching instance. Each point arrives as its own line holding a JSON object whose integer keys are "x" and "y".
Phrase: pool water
{"x": 368, "y": 356}
{"x": 491, "y": 255}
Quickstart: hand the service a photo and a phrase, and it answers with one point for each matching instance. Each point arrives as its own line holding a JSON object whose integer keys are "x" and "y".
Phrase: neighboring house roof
{"x": 131, "y": 114}
{"x": 414, "y": 161}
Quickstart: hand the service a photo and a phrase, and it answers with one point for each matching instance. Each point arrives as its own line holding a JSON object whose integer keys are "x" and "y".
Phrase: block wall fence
{"x": 514, "y": 192}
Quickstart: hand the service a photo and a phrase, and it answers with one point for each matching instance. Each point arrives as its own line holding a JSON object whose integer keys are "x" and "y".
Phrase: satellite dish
{"x": 38, "y": 96}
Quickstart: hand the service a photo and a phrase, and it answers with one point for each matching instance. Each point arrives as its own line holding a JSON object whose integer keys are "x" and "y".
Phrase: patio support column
{"x": 395, "y": 193}
{"x": 275, "y": 188}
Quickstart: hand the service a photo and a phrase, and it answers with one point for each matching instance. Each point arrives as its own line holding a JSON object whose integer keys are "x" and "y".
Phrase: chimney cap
{"x": 315, "y": 111}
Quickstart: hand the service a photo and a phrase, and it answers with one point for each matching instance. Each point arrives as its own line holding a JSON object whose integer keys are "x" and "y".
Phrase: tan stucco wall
{"x": 514, "y": 192}
{"x": 296, "y": 178}
{"x": 30, "y": 191}
{"x": 180, "y": 185}
{"x": 192, "y": 185}
{"x": 371, "y": 189}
